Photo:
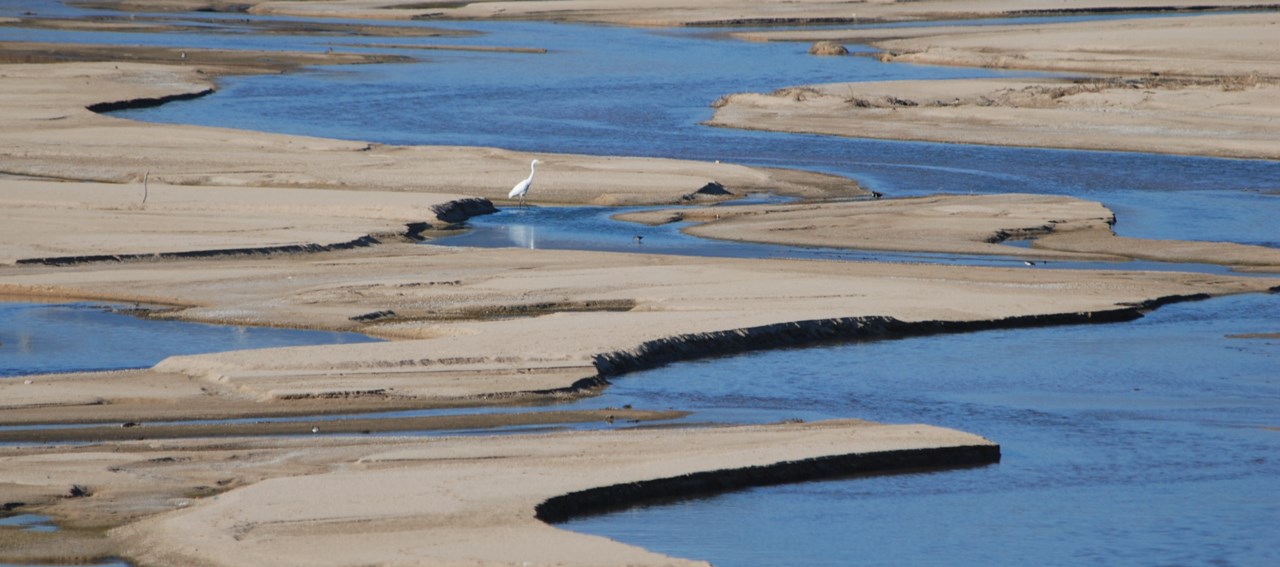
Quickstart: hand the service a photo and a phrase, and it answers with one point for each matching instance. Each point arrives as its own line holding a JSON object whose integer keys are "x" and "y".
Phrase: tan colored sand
{"x": 44, "y": 219}
{"x": 1223, "y": 103}
{"x": 972, "y": 224}
{"x": 1057, "y": 228}
{"x": 42, "y": 112}
{"x": 464, "y": 360}
{"x": 355, "y": 501}
{"x": 389, "y": 501}
{"x": 659, "y": 12}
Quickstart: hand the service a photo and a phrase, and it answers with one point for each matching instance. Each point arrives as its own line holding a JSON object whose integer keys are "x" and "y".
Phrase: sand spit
{"x": 1054, "y": 227}
{"x": 200, "y": 61}
{"x": 623, "y": 302}
{"x": 471, "y": 327}
{"x": 1203, "y": 85}
{"x": 359, "y": 501}
{"x": 43, "y": 113}
{"x": 149, "y": 23}
{"x": 673, "y": 12}
{"x": 57, "y": 223}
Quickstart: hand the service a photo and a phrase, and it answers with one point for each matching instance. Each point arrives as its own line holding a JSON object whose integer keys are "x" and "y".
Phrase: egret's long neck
{"x": 533, "y": 166}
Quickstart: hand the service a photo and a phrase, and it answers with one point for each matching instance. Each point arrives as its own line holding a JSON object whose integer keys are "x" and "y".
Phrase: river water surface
{"x": 1150, "y": 442}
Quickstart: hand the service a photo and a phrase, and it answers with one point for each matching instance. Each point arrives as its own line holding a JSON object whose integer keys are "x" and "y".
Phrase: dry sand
{"x": 670, "y": 12}
{"x": 471, "y": 327}
{"x": 43, "y": 112}
{"x": 1203, "y": 85}
{"x": 1057, "y": 228}
{"x": 404, "y": 501}
{"x": 581, "y": 312}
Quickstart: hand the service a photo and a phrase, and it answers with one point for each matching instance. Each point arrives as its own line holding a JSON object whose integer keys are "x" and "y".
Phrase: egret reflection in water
{"x": 523, "y": 235}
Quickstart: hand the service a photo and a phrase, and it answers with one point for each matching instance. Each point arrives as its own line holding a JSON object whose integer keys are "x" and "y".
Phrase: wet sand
{"x": 471, "y": 500}
{"x": 1203, "y": 85}
{"x": 1051, "y": 227}
{"x": 671, "y": 12}
{"x": 470, "y": 327}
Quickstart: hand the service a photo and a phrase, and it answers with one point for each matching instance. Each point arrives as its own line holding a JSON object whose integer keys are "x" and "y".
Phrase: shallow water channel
{"x": 40, "y": 338}
{"x": 1150, "y": 442}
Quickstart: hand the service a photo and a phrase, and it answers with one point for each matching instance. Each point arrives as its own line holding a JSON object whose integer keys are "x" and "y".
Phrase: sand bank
{"x": 1055, "y": 227}
{"x": 584, "y": 314}
{"x": 444, "y": 501}
{"x": 670, "y": 12}
{"x": 1204, "y": 85}
{"x": 472, "y": 327}
{"x": 43, "y": 112}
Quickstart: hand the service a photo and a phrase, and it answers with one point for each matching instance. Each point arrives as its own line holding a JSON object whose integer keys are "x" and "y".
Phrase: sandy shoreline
{"x": 673, "y": 12}
{"x": 470, "y": 327}
{"x": 1057, "y": 229}
{"x": 1204, "y": 85}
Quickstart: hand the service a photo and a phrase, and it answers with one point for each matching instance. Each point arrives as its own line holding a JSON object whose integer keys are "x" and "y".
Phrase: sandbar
{"x": 667, "y": 13}
{"x": 227, "y": 226}
{"x": 1202, "y": 85}
{"x": 1048, "y": 227}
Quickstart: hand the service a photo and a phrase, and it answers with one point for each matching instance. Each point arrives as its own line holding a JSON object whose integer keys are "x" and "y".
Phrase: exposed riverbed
{"x": 1145, "y": 442}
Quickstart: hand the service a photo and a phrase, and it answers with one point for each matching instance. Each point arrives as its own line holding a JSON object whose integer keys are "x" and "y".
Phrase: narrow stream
{"x": 40, "y": 338}
{"x": 1151, "y": 442}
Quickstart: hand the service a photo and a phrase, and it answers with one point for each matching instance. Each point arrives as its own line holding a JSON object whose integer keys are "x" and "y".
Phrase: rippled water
{"x": 1151, "y": 442}
{"x": 592, "y": 228}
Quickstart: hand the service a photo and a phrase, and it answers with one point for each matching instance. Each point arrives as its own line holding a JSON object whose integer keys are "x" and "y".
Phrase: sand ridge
{"x": 470, "y": 327}
{"x": 670, "y": 12}
{"x": 1202, "y": 85}
{"x": 1049, "y": 227}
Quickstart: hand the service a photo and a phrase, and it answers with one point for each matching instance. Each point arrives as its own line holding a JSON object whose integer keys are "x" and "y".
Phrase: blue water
{"x": 592, "y": 228}
{"x": 1151, "y": 442}
{"x": 617, "y": 91}
{"x": 37, "y": 338}
{"x": 29, "y": 522}
{"x": 614, "y": 91}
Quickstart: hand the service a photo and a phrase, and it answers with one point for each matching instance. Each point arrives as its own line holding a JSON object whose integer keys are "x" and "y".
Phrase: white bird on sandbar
{"x": 522, "y": 187}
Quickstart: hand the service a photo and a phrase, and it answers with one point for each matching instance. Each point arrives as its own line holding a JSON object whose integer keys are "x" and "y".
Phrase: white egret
{"x": 522, "y": 187}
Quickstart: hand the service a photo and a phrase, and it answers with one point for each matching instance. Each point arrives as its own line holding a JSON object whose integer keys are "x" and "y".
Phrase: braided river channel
{"x": 1153, "y": 442}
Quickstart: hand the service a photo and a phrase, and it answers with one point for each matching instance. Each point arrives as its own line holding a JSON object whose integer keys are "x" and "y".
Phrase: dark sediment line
{"x": 103, "y": 107}
{"x": 460, "y": 210}
{"x": 141, "y": 430}
{"x": 618, "y": 496}
{"x": 658, "y": 352}
{"x": 1097, "y": 10}
{"x": 265, "y": 250}
{"x": 449, "y": 213}
{"x": 1144, "y": 9}
{"x": 781, "y": 21}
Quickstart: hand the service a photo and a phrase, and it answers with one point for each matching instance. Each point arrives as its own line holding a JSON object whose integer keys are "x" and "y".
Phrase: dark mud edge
{"x": 448, "y": 213}
{"x": 618, "y": 496}
{"x": 683, "y": 347}
{"x": 943, "y": 16}
{"x": 658, "y": 352}
{"x": 290, "y": 249}
{"x": 102, "y": 107}
{"x": 451, "y": 214}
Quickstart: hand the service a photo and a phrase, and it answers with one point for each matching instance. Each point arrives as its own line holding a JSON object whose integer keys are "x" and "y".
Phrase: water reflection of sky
{"x": 618, "y": 91}
{"x": 1137, "y": 443}
{"x": 43, "y": 338}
